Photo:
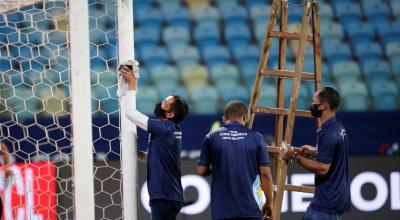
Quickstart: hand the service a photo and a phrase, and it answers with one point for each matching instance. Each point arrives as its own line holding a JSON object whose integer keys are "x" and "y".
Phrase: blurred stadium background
{"x": 207, "y": 51}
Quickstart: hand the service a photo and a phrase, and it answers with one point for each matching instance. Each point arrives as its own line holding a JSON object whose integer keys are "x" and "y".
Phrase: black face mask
{"x": 315, "y": 112}
{"x": 159, "y": 112}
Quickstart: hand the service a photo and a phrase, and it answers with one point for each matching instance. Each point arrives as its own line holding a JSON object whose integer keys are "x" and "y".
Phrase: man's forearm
{"x": 266, "y": 184}
{"x": 313, "y": 166}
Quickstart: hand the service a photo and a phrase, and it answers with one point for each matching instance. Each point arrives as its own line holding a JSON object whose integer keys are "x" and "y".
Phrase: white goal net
{"x": 35, "y": 109}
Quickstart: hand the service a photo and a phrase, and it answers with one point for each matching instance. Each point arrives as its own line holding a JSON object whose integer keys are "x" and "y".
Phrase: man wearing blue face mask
{"x": 332, "y": 187}
{"x": 163, "y": 157}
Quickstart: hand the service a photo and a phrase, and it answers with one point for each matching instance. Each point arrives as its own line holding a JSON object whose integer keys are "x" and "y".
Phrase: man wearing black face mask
{"x": 332, "y": 187}
{"x": 163, "y": 157}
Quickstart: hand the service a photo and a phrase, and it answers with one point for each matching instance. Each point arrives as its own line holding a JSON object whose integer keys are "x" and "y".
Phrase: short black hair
{"x": 180, "y": 108}
{"x": 235, "y": 109}
{"x": 330, "y": 96}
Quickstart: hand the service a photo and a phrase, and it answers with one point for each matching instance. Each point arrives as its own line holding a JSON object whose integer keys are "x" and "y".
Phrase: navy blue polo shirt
{"x": 332, "y": 191}
{"x": 235, "y": 154}
{"x": 163, "y": 160}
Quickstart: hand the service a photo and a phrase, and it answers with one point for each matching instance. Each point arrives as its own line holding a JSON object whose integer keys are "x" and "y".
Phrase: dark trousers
{"x": 314, "y": 215}
{"x": 162, "y": 209}
{"x": 244, "y": 218}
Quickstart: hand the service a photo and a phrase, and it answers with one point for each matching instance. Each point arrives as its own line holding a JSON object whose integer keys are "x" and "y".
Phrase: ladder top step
{"x": 281, "y": 111}
{"x": 287, "y": 74}
{"x": 289, "y": 35}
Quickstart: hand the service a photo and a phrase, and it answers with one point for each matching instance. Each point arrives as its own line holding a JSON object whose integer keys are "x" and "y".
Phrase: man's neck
{"x": 326, "y": 117}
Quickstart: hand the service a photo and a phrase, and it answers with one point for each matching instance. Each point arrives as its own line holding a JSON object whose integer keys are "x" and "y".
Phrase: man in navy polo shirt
{"x": 332, "y": 187}
{"x": 163, "y": 157}
{"x": 236, "y": 157}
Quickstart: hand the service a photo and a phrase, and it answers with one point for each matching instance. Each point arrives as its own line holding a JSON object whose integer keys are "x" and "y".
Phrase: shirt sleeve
{"x": 326, "y": 148}
{"x": 205, "y": 156}
{"x": 262, "y": 152}
{"x": 132, "y": 114}
{"x": 157, "y": 127}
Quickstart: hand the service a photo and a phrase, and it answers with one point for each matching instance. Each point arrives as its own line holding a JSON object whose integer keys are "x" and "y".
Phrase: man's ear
{"x": 245, "y": 117}
{"x": 224, "y": 119}
{"x": 170, "y": 115}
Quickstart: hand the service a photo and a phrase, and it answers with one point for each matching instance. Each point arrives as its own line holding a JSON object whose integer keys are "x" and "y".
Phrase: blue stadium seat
{"x": 155, "y": 56}
{"x": 348, "y": 12}
{"x": 325, "y": 13}
{"x": 96, "y": 9}
{"x": 185, "y": 56}
{"x": 248, "y": 73}
{"x": 260, "y": 12}
{"x": 354, "y": 95}
{"x": 346, "y": 71}
{"x": 207, "y": 14}
{"x": 384, "y": 94}
{"x": 395, "y": 67}
{"x": 234, "y": 15}
{"x": 376, "y": 12}
{"x": 169, "y": 5}
{"x": 246, "y": 54}
{"x": 178, "y": 17}
{"x": 215, "y": 55}
{"x": 207, "y": 34}
{"x": 205, "y": 100}
{"x": 368, "y": 51}
{"x": 395, "y": 6}
{"x": 309, "y": 67}
{"x": 389, "y": 31}
{"x": 335, "y": 52}
{"x": 392, "y": 49}
{"x": 45, "y": 25}
{"x": 331, "y": 30}
{"x": 376, "y": 70}
{"x": 147, "y": 97}
{"x": 97, "y": 37}
{"x": 268, "y": 96}
{"x": 169, "y": 90}
{"x": 304, "y": 99}
{"x": 237, "y": 35}
{"x": 149, "y": 17}
{"x": 295, "y": 15}
{"x": 146, "y": 37}
{"x": 226, "y": 3}
{"x": 165, "y": 76}
{"x": 106, "y": 23}
{"x": 255, "y": 3}
{"x": 359, "y": 32}
{"x": 176, "y": 36}
{"x": 226, "y": 74}
{"x": 237, "y": 92}
{"x": 107, "y": 51}
{"x": 145, "y": 77}
{"x": 260, "y": 29}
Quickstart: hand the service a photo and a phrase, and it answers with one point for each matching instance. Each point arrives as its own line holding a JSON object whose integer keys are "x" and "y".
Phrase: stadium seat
{"x": 267, "y": 96}
{"x": 169, "y": 5}
{"x": 335, "y": 52}
{"x": 234, "y": 15}
{"x": 146, "y": 37}
{"x": 325, "y": 13}
{"x": 169, "y": 90}
{"x": 395, "y": 6}
{"x": 389, "y": 31}
{"x": 147, "y": 97}
{"x": 215, "y": 55}
{"x": 176, "y": 37}
{"x": 248, "y": 73}
{"x": 255, "y": 3}
{"x": 207, "y": 34}
{"x": 393, "y": 49}
{"x": 395, "y": 67}
{"x": 178, "y": 17}
{"x": 331, "y": 30}
{"x": 155, "y": 56}
{"x": 145, "y": 78}
{"x": 304, "y": 99}
{"x": 227, "y": 74}
{"x": 246, "y": 54}
{"x": 368, "y": 51}
{"x": 376, "y": 70}
{"x": 359, "y": 32}
{"x": 355, "y": 96}
{"x": 295, "y": 15}
{"x": 260, "y": 12}
{"x": 205, "y": 100}
{"x": 97, "y": 37}
{"x": 207, "y": 14}
{"x": 376, "y": 12}
{"x": 348, "y": 12}
{"x": 226, "y": 3}
{"x": 165, "y": 76}
{"x": 233, "y": 92}
{"x": 384, "y": 94}
{"x": 346, "y": 71}
{"x": 107, "y": 51}
{"x": 195, "y": 76}
{"x": 149, "y": 17}
{"x": 185, "y": 56}
{"x": 237, "y": 35}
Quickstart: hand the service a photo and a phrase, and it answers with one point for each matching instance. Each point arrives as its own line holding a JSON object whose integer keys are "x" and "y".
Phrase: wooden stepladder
{"x": 280, "y": 166}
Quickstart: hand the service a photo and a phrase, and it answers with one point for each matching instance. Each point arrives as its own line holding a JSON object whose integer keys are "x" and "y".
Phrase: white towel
{"x": 122, "y": 83}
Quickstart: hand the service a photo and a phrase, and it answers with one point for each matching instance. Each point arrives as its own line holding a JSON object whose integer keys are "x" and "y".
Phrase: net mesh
{"x": 35, "y": 109}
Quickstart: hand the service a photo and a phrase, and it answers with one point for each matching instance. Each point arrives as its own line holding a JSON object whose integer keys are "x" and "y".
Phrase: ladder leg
{"x": 293, "y": 104}
{"x": 316, "y": 46}
{"x": 262, "y": 63}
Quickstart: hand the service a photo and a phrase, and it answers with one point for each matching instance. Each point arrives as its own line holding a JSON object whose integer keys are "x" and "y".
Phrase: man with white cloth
{"x": 163, "y": 157}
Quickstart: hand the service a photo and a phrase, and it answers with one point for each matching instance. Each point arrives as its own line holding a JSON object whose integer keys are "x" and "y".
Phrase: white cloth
{"x": 132, "y": 114}
{"x": 122, "y": 83}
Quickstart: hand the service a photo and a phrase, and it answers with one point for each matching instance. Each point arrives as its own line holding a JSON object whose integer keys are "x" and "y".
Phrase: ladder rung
{"x": 286, "y": 74}
{"x": 277, "y": 150}
{"x": 280, "y": 111}
{"x": 305, "y": 189}
{"x": 288, "y": 35}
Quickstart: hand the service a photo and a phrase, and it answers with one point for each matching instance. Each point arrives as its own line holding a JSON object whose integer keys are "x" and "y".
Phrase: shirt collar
{"x": 329, "y": 122}
{"x": 233, "y": 123}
